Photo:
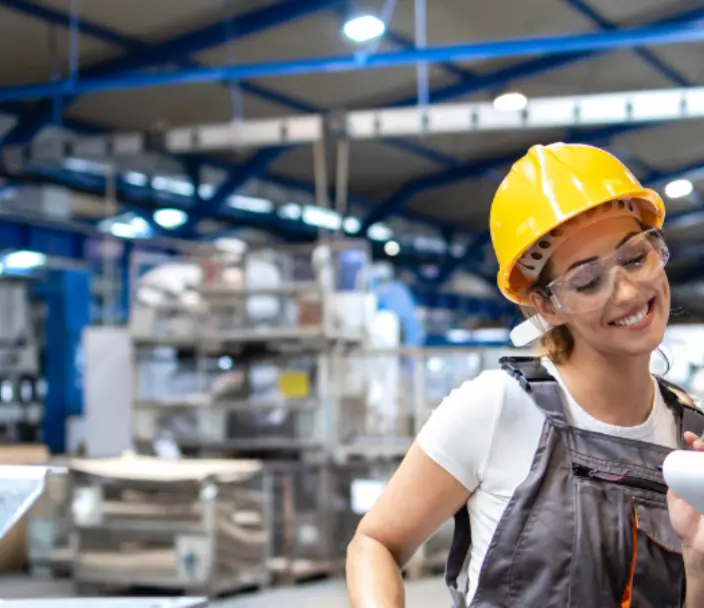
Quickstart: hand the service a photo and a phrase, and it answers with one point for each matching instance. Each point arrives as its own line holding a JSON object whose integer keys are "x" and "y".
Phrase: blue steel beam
{"x": 33, "y": 120}
{"x": 406, "y": 43}
{"x": 587, "y": 11}
{"x": 533, "y": 67}
{"x": 679, "y": 33}
{"x": 238, "y": 177}
{"x": 142, "y": 55}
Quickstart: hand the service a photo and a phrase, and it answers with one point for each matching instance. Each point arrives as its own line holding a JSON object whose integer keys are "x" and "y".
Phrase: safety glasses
{"x": 589, "y": 286}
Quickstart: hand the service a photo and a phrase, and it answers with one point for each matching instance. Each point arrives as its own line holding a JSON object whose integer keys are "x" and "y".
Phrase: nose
{"x": 624, "y": 288}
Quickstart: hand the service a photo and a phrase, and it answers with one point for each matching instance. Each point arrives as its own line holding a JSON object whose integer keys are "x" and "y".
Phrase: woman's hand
{"x": 688, "y": 523}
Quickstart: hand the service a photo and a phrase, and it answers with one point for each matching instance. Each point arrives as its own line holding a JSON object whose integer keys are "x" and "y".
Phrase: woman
{"x": 551, "y": 465}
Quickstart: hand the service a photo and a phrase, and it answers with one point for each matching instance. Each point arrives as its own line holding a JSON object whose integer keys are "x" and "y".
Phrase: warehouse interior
{"x": 244, "y": 253}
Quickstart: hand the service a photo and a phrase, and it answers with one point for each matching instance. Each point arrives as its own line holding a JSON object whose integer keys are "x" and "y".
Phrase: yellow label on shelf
{"x": 294, "y": 385}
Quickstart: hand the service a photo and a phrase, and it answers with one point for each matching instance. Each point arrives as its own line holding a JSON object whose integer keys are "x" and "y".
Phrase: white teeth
{"x": 633, "y": 319}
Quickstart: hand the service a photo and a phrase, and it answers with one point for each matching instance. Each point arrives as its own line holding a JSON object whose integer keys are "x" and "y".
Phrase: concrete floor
{"x": 328, "y": 594}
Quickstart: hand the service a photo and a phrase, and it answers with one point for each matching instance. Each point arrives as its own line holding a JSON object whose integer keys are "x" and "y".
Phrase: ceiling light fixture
{"x": 679, "y": 188}
{"x": 170, "y": 218}
{"x": 511, "y": 102}
{"x": 392, "y": 248}
{"x": 363, "y": 28}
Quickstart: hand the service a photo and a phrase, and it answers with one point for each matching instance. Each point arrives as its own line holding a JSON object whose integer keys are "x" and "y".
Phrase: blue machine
{"x": 68, "y": 298}
{"x": 398, "y": 298}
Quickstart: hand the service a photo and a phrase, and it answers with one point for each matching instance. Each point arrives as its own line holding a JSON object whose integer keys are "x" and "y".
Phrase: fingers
{"x": 694, "y": 441}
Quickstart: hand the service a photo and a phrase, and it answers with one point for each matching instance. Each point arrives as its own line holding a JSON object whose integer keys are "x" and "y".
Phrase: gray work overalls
{"x": 589, "y": 527}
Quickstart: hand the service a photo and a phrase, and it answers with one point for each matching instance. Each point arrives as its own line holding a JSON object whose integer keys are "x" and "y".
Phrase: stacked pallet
{"x": 199, "y": 526}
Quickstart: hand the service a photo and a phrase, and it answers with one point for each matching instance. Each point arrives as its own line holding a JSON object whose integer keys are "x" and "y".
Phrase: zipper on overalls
{"x": 624, "y": 479}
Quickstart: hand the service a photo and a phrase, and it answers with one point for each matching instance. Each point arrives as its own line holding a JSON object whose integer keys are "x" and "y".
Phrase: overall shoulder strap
{"x": 687, "y": 413}
{"x": 546, "y": 393}
{"x": 459, "y": 549}
{"x": 539, "y": 384}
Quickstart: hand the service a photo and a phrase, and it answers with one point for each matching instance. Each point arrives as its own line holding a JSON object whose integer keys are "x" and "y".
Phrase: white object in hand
{"x": 684, "y": 474}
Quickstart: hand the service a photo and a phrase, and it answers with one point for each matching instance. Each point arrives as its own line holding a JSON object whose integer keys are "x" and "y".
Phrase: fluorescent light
{"x": 351, "y": 225}
{"x": 380, "y": 232}
{"x": 511, "y": 102}
{"x": 170, "y": 218}
{"x": 250, "y": 203}
{"x": 392, "y": 248}
{"x": 435, "y": 364}
{"x": 321, "y": 218}
{"x": 679, "y": 188}
{"x": 363, "y": 28}
{"x": 135, "y": 179}
{"x": 126, "y": 226}
{"x": 122, "y": 231}
{"x": 175, "y": 186}
{"x": 290, "y": 211}
{"x": 24, "y": 259}
{"x": 81, "y": 165}
{"x": 225, "y": 363}
{"x": 206, "y": 190}
{"x": 458, "y": 335}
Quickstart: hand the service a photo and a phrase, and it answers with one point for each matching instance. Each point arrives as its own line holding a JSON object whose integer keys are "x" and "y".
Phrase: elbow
{"x": 353, "y": 547}
{"x": 364, "y": 545}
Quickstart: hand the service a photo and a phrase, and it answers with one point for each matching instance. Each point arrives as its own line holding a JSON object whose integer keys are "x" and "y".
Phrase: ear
{"x": 546, "y": 309}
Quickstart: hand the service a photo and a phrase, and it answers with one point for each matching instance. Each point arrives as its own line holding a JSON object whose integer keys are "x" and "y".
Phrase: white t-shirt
{"x": 485, "y": 434}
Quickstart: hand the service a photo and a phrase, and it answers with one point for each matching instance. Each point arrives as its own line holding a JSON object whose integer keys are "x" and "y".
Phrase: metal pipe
{"x": 342, "y": 176}
{"x": 680, "y": 33}
{"x": 320, "y": 174}
{"x": 422, "y": 43}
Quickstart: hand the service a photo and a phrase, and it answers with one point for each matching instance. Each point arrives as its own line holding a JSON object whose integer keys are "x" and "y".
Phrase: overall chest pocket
{"x": 649, "y": 548}
{"x": 657, "y": 568}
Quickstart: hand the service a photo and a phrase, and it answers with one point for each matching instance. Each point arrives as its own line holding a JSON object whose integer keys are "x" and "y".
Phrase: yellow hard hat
{"x": 549, "y": 186}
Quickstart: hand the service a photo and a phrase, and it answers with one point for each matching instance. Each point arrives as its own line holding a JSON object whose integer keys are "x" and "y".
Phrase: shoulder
{"x": 486, "y": 397}
{"x": 460, "y": 432}
{"x": 480, "y": 396}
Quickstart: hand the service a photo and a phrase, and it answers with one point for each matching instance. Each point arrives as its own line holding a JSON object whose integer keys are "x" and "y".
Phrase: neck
{"x": 614, "y": 390}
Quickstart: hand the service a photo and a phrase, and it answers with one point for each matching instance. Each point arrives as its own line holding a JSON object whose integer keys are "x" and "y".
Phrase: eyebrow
{"x": 625, "y": 239}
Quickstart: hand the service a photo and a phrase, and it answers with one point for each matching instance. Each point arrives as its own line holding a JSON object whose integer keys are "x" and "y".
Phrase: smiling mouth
{"x": 636, "y": 318}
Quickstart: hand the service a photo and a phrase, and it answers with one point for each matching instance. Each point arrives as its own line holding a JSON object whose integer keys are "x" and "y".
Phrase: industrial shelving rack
{"x": 244, "y": 369}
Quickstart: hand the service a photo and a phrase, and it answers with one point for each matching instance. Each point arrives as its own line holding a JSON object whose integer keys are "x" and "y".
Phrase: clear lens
{"x": 589, "y": 286}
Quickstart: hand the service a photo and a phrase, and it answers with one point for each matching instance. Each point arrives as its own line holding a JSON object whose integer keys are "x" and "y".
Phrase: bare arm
{"x": 694, "y": 570}
{"x": 419, "y": 498}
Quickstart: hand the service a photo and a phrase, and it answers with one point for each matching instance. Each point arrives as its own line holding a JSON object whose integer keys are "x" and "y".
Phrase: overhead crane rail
{"x": 629, "y": 107}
